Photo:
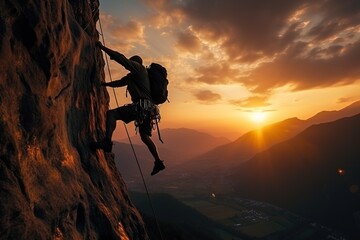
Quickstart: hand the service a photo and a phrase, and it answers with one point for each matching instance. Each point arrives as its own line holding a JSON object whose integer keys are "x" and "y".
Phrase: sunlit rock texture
{"x": 52, "y": 186}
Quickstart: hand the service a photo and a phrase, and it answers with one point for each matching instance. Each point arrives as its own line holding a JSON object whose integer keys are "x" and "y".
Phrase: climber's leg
{"x": 124, "y": 113}
{"x": 150, "y": 144}
{"x": 145, "y": 130}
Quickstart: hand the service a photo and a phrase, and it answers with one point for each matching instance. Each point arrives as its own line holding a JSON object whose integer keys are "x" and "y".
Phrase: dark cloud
{"x": 330, "y": 52}
{"x": 217, "y": 73}
{"x": 250, "y": 28}
{"x": 309, "y": 71}
{"x": 336, "y": 17}
{"x": 348, "y": 100}
{"x": 187, "y": 41}
{"x": 257, "y": 28}
{"x": 305, "y": 43}
{"x": 207, "y": 96}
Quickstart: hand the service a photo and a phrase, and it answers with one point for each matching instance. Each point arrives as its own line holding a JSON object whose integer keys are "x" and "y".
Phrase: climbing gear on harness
{"x": 145, "y": 109}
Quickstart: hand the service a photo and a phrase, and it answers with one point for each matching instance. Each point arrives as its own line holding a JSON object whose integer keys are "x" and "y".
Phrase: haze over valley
{"x": 306, "y": 167}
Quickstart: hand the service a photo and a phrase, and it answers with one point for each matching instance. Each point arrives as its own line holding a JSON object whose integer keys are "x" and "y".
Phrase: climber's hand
{"x": 104, "y": 84}
{"x": 98, "y": 44}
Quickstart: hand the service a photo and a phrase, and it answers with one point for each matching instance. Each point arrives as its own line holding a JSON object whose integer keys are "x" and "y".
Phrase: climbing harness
{"x": 151, "y": 107}
{"x": 145, "y": 109}
{"x": 131, "y": 144}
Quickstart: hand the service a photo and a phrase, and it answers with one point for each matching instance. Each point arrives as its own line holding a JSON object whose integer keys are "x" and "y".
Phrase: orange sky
{"x": 228, "y": 59}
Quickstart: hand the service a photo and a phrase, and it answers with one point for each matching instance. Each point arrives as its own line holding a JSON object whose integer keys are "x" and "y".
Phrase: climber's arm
{"x": 118, "y": 57}
{"x": 105, "y": 49}
{"x": 117, "y": 83}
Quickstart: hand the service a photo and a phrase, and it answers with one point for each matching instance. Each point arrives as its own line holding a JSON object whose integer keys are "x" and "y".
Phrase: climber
{"x": 140, "y": 110}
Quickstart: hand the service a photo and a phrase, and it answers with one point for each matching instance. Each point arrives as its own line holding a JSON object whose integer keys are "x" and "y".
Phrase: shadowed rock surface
{"x": 52, "y": 186}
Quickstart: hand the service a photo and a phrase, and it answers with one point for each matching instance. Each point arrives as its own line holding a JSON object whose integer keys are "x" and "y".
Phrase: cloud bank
{"x": 264, "y": 45}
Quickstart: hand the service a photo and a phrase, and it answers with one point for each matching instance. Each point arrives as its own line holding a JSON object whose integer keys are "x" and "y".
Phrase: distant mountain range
{"x": 194, "y": 152}
{"x": 255, "y": 141}
{"x": 179, "y": 145}
{"x": 329, "y": 116}
{"x": 311, "y": 167}
{"x": 316, "y": 174}
{"x": 184, "y": 143}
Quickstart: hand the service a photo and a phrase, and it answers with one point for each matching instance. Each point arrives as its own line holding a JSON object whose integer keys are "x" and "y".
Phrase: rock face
{"x": 52, "y": 186}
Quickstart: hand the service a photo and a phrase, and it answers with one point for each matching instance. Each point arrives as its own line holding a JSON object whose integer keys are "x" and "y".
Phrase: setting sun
{"x": 264, "y": 78}
{"x": 258, "y": 116}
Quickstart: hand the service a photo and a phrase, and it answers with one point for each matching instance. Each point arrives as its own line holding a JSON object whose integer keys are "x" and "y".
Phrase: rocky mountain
{"x": 52, "y": 186}
{"x": 315, "y": 174}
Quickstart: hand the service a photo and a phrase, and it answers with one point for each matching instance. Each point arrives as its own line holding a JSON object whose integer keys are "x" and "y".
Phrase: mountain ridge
{"x": 258, "y": 140}
{"x": 315, "y": 173}
{"x": 182, "y": 143}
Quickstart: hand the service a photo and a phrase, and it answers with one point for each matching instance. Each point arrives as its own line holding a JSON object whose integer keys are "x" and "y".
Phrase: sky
{"x": 237, "y": 65}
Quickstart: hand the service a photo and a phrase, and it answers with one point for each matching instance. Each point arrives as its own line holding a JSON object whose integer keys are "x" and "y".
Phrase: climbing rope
{"x": 131, "y": 144}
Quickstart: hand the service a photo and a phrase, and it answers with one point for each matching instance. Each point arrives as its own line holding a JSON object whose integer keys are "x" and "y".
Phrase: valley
{"x": 292, "y": 189}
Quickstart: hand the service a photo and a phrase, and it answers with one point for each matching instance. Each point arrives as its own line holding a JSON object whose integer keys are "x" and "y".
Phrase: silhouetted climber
{"x": 140, "y": 110}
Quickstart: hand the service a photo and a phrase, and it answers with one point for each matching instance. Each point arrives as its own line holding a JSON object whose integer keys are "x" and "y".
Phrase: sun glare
{"x": 258, "y": 116}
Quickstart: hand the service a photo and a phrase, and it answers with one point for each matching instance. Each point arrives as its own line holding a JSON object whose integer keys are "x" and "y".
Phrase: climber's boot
{"x": 105, "y": 144}
{"x": 158, "y": 166}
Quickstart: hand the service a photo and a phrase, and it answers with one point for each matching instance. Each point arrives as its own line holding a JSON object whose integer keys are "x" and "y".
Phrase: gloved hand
{"x": 104, "y": 84}
{"x": 98, "y": 44}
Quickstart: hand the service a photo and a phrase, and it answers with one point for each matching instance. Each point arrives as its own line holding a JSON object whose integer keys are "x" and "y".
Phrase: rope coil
{"x": 131, "y": 144}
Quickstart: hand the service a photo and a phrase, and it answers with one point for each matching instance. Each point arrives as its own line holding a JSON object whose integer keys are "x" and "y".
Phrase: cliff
{"x": 52, "y": 186}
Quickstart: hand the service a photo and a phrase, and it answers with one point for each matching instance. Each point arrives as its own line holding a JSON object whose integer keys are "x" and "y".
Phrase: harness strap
{"x": 158, "y": 130}
{"x": 146, "y": 109}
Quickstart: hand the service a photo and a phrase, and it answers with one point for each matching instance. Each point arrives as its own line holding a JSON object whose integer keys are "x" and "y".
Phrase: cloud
{"x": 187, "y": 41}
{"x": 157, "y": 4}
{"x": 248, "y": 27}
{"x": 254, "y": 101}
{"x": 304, "y": 44}
{"x": 207, "y": 96}
{"x": 337, "y": 16}
{"x": 348, "y": 100}
{"x": 264, "y": 28}
{"x": 129, "y": 31}
{"x": 311, "y": 71}
{"x": 217, "y": 73}
{"x": 123, "y": 35}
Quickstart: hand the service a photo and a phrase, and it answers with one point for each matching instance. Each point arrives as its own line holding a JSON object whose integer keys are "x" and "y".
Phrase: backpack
{"x": 158, "y": 83}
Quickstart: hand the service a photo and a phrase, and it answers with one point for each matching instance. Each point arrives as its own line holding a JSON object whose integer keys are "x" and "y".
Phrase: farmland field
{"x": 233, "y": 218}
